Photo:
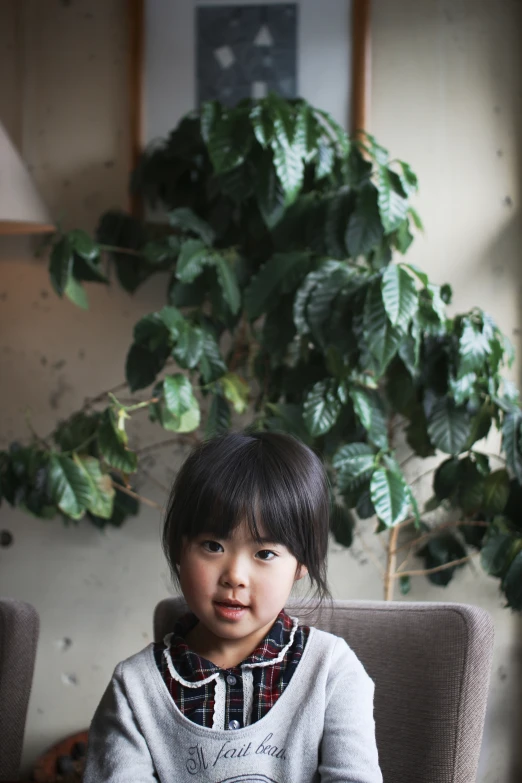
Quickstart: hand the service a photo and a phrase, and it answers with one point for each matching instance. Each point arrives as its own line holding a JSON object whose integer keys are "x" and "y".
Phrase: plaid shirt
{"x": 272, "y": 664}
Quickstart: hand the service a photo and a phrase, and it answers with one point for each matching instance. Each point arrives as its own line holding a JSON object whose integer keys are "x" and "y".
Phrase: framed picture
{"x": 184, "y": 52}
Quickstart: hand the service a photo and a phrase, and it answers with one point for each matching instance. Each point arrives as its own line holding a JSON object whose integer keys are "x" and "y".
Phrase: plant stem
{"x": 127, "y": 250}
{"x": 100, "y": 397}
{"x": 126, "y": 491}
{"x": 427, "y": 571}
{"x": 435, "y": 531}
{"x": 391, "y": 560}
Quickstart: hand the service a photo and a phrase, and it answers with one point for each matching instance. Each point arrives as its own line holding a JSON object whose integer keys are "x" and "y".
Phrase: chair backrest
{"x": 19, "y": 628}
{"x": 430, "y": 663}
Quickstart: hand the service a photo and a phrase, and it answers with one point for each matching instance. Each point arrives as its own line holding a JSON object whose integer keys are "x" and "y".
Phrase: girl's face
{"x": 214, "y": 572}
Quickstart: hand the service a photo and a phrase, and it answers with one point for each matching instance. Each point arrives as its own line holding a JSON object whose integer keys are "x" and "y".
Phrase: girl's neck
{"x": 225, "y": 653}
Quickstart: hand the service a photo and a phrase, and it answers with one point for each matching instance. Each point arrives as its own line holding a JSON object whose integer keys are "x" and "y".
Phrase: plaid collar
{"x": 192, "y": 668}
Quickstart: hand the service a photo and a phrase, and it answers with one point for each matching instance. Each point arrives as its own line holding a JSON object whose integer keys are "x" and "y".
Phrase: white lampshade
{"x": 22, "y": 210}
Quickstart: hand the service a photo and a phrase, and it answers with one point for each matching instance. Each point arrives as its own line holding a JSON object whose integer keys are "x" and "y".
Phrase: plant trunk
{"x": 391, "y": 559}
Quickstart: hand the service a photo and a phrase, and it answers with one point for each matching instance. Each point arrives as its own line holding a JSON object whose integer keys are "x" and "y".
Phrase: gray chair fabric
{"x": 19, "y": 628}
{"x": 430, "y": 663}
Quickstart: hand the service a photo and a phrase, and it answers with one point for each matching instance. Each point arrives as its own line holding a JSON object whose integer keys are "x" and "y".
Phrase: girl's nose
{"x": 234, "y": 574}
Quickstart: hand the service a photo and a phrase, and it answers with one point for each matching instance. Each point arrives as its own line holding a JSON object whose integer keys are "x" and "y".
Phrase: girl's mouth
{"x": 230, "y": 611}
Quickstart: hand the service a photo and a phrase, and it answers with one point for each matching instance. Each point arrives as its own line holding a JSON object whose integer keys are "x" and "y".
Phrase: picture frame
{"x": 163, "y": 62}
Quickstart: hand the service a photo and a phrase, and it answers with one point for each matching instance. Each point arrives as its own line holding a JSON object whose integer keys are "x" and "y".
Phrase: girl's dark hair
{"x": 263, "y": 478}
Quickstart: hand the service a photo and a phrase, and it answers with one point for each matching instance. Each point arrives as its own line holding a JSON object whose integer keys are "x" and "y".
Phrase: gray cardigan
{"x": 320, "y": 729}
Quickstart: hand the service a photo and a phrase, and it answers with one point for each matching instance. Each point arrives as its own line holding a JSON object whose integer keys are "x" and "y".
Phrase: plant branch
{"x": 435, "y": 531}
{"x": 126, "y": 250}
{"x": 391, "y": 560}
{"x": 427, "y": 571}
{"x": 127, "y": 491}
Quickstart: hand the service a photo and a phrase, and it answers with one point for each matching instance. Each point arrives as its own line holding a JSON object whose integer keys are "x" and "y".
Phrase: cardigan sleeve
{"x": 348, "y": 748}
{"x": 117, "y": 751}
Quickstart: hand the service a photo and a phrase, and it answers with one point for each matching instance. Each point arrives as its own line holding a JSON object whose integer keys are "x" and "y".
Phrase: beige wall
{"x": 446, "y": 97}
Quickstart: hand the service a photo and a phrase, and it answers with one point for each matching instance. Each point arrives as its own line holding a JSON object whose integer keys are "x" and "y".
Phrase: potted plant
{"x": 288, "y": 297}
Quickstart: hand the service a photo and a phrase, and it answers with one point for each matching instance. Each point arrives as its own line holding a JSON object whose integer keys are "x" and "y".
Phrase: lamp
{"x": 22, "y": 210}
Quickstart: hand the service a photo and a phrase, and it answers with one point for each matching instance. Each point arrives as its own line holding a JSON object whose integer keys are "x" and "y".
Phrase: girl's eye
{"x": 271, "y": 555}
{"x": 211, "y": 546}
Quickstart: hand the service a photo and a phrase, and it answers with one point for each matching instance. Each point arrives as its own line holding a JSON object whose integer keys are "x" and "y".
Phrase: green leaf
{"x": 76, "y": 293}
{"x": 229, "y": 139}
{"x": 321, "y": 408}
{"x": 69, "y": 488}
{"x": 368, "y": 407}
{"x": 512, "y": 584}
{"x": 389, "y": 496}
{"x": 83, "y": 244}
{"x": 399, "y": 296}
{"x": 189, "y": 347}
{"x": 172, "y": 319}
{"x": 236, "y": 390}
{"x": 319, "y": 306}
{"x": 179, "y": 396}
{"x": 101, "y": 491}
{"x": 262, "y": 123}
{"x": 211, "y": 363}
{"x": 339, "y": 207}
{"x": 269, "y": 192}
{"x": 265, "y": 285}
{"x": 142, "y": 366}
{"x": 473, "y": 348}
{"x": 289, "y": 165}
{"x": 228, "y": 282}
{"x": 511, "y": 442}
{"x": 287, "y": 417}
{"x": 61, "y": 263}
{"x": 355, "y": 463}
{"x": 218, "y": 418}
{"x": 342, "y": 524}
{"x": 447, "y": 478}
{"x": 496, "y": 491}
{"x": 157, "y": 252}
{"x": 441, "y": 550}
{"x": 365, "y": 230}
{"x": 112, "y": 442}
{"x": 194, "y": 256}
{"x": 416, "y": 218}
{"x": 422, "y": 276}
{"x": 382, "y": 339}
{"x": 303, "y": 294}
{"x": 404, "y": 585}
{"x": 393, "y": 206}
{"x": 496, "y": 554}
{"x": 448, "y": 426}
{"x": 408, "y": 178}
{"x": 185, "y": 218}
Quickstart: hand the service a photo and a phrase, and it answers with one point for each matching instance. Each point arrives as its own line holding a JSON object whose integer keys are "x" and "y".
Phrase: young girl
{"x": 240, "y": 691}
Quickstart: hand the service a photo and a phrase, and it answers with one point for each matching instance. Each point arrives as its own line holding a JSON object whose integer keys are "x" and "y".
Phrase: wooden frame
{"x": 361, "y": 69}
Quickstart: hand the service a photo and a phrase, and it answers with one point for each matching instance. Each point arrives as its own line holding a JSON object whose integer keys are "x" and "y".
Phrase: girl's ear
{"x": 301, "y": 571}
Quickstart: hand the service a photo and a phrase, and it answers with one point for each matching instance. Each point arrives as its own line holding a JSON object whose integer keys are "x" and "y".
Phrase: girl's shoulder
{"x": 136, "y": 665}
{"x": 334, "y": 651}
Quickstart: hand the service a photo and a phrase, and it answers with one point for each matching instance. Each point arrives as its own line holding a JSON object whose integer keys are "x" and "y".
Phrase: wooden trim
{"x": 361, "y": 64}
{"x": 136, "y": 23}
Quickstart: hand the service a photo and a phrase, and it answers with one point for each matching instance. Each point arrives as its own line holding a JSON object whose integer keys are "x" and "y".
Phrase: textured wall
{"x": 446, "y": 97}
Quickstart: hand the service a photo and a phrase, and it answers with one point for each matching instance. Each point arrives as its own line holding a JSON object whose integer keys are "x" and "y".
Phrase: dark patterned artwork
{"x": 246, "y": 51}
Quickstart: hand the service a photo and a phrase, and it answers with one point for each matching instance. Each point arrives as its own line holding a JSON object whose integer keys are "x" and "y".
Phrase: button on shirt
{"x": 230, "y": 698}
